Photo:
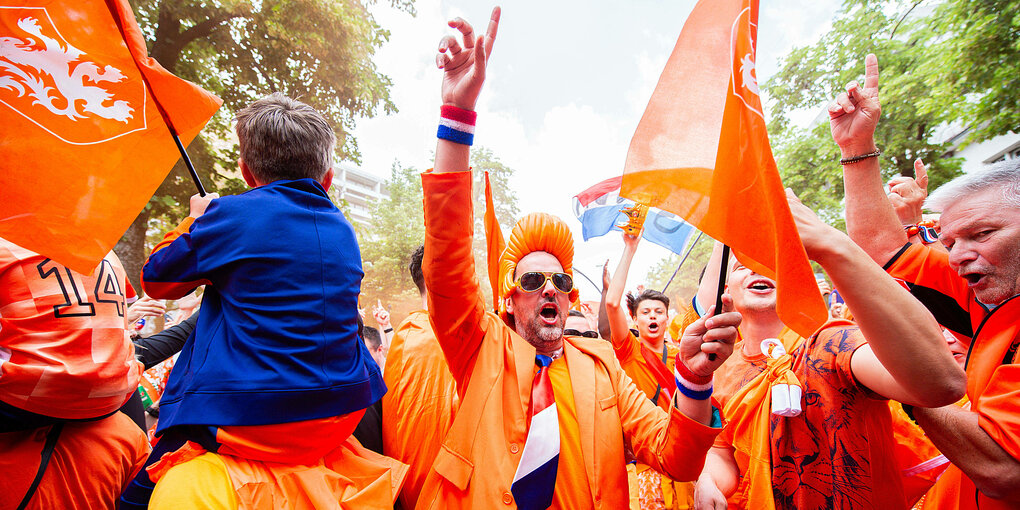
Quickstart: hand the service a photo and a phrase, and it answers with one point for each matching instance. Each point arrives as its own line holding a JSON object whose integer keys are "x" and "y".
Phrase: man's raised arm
{"x": 455, "y": 307}
{"x": 870, "y": 219}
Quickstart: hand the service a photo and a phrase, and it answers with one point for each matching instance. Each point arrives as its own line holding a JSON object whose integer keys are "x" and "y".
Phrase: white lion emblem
{"x": 749, "y": 81}
{"x": 23, "y": 65}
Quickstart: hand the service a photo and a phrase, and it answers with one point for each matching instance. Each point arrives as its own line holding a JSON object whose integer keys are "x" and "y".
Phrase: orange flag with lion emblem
{"x": 701, "y": 151}
{"x": 85, "y": 142}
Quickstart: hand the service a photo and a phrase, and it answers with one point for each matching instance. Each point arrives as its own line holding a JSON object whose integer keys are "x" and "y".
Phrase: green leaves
{"x": 954, "y": 63}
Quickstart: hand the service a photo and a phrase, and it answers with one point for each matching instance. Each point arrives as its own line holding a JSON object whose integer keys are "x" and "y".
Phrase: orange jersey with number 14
{"x": 64, "y": 348}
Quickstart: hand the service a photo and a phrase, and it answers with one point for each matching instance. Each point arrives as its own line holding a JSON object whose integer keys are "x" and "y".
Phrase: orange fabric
{"x": 570, "y": 467}
{"x": 707, "y": 158}
{"x": 993, "y": 375}
{"x": 636, "y": 360}
{"x": 493, "y": 367}
{"x": 100, "y": 159}
{"x": 535, "y": 232}
{"x": 919, "y": 461}
{"x": 296, "y": 442}
{"x": 92, "y": 463}
{"x": 494, "y": 242}
{"x": 842, "y": 439}
{"x": 349, "y": 476}
{"x": 418, "y": 409}
{"x": 64, "y": 347}
{"x": 636, "y": 366}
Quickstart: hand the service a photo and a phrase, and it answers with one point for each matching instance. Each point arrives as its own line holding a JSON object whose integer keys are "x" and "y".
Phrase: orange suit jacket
{"x": 494, "y": 367}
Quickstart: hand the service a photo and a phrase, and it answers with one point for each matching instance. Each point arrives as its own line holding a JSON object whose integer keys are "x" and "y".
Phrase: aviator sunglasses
{"x": 586, "y": 334}
{"x": 534, "y": 280}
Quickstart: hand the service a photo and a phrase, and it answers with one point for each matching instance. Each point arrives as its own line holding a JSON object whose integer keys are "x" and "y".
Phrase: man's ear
{"x": 246, "y": 173}
{"x": 327, "y": 179}
{"x": 509, "y": 304}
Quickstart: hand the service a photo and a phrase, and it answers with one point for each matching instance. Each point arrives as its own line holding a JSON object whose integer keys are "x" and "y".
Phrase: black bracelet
{"x": 387, "y": 330}
{"x": 862, "y": 157}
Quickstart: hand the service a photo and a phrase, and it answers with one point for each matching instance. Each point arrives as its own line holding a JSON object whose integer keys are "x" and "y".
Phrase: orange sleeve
{"x": 172, "y": 235}
{"x": 999, "y": 408}
{"x": 456, "y": 309}
{"x": 672, "y": 444}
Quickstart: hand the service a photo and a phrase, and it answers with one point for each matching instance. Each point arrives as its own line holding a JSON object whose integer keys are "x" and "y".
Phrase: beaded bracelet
{"x": 862, "y": 157}
{"x": 456, "y": 125}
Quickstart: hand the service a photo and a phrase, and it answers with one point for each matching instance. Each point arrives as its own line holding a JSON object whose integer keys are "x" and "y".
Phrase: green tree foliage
{"x": 685, "y": 283}
{"x": 319, "y": 51}
{"x": 907, "y": 45}
{"x": 978, "y": 59}
{"x": 398, "y": 227}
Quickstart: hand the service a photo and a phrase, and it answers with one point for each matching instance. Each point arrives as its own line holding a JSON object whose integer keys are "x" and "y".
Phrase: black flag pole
{"x": 723, "y": 264}
{"x": 684, "y": 259}
{"x": 187, "y": 162}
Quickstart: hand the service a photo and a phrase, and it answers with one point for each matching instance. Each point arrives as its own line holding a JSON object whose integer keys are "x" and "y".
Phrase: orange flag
{"x": 701, "y": 151}
{"x": 84, "y": 144}
{"x": 494, "y": 243}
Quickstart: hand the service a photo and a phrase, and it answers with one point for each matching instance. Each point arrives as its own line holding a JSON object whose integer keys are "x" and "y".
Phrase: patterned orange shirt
{"x": 838, "y": 452}
{"x": 64, "y": 346}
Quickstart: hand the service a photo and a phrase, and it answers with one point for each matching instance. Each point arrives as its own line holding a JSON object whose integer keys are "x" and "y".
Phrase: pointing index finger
{"x": 492, "y": 29}
{"x": 871, "y": 73}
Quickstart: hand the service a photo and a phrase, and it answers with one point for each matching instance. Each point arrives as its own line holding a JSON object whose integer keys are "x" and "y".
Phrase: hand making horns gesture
{"x": 465, "y": 66}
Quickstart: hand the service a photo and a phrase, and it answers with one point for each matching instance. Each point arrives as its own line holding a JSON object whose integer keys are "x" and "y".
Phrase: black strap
{"x": 658, "y": 387}
{"x": 47, "y": 452}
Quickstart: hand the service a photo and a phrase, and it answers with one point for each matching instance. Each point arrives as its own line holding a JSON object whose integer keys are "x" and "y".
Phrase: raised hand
{"x": 382, "y": 316}
{"x": 711, "y": 334}
{"x": 854, "y": 114}
{"x": 464, "y": 65}
{"x": 907, "y": 194}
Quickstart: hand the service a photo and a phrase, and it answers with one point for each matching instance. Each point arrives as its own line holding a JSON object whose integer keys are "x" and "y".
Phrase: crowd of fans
{"x": 265, "y": 388}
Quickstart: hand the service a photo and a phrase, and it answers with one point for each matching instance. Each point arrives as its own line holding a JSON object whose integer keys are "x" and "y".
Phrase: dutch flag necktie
{"x": 536, "y": 474}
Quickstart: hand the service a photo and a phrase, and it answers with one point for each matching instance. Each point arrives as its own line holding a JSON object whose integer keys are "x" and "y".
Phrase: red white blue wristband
{"x": 456, "y": 125}
{"x": 697, "y": 387}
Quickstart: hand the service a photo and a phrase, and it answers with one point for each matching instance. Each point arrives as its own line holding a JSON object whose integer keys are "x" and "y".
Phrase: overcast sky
{"x": 567, "y": 83}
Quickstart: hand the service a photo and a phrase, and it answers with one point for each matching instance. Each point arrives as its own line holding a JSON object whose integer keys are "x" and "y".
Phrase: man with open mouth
{"x": 974, "y": 290}
{"x": 543, "y": 416}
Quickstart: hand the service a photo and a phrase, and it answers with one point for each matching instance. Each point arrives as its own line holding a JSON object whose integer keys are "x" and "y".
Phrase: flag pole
{"x": 689, "y": 250}
{"x": 187, "y": 162}
{"x": 723, "y": 265}
{"x": 578, "y": 271}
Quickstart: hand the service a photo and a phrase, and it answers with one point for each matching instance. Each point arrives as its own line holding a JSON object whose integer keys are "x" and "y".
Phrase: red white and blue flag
{"x": 535, "y": 479}
{"x": 600, "y": 210}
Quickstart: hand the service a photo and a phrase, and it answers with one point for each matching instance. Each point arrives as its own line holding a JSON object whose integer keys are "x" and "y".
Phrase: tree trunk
{"x": 131, "y": 249}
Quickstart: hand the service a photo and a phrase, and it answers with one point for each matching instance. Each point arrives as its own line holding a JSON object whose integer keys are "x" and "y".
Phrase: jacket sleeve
{"x": 456, "y": 309}
{"x": 931, "y": 280}
{"x": 671, "y": 443}
{"x": 173, "y": 270}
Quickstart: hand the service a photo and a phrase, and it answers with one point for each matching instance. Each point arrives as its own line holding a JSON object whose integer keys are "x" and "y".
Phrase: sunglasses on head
{"x": 586, "y": 334}
{"x": 535, "y": 280}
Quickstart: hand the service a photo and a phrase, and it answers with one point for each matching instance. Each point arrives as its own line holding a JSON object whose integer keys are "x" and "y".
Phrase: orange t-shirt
{"x": 64, "y": 346}
{"x": 838, "y": 452}
{"x": 634, "y": 364}
{"x": 572, "y": 490}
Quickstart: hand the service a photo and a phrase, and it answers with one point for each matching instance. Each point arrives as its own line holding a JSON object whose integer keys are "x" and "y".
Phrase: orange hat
{"x": 535, "y": 232}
